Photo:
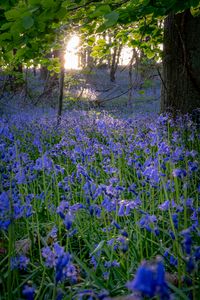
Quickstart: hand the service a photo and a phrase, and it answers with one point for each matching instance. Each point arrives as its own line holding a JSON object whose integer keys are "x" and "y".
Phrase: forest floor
{"x": 86, "y": 90}
{"x": 93, "y": 205}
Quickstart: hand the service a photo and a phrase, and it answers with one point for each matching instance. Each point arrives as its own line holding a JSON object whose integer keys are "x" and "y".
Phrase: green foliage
{"x": 100, "y": 11}
{"x": 38, "y": 26}
{"x": 27, "y": 22}
{"x": 111, "y": 18}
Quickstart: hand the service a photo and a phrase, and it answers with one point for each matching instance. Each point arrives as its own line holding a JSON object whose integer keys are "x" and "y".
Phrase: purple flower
{"x": 197, "y": 253}
{"x": 152, "y": 174}
{"x": 180, "y": 173}
{"x": 175, "y": 220}
{"x": 93, "y": 262}
{"x": 62, "y": 208}
{"x": 190, "y": 265}
{"x": 58, "y": 259}
{"x": 150, "y": 280}
{"x": 28, "y": 292}
{"x": 165, "y": 205}
{"x": 44, "y": 163}
{"x": 173, "y": 261}
{"x": 68, "y": 221}
{"x": 187, "y": 241}
{"x": 49, "y": 256}
{"x": 53, "y": 233}
{"x": 19, "y": 262}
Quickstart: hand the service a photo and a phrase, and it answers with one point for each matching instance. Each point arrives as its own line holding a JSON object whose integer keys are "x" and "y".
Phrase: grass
{"x": 82, "y": 205}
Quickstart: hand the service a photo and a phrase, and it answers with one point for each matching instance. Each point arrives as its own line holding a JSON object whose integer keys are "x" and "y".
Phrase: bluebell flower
{"x": 68, "y": 220}
{"x": 175, "y": 220}
{"x": 197, "y": 253}
{"x": 187, "y": 241}
{"x": 124, "y": 233}
{"x": 111, "y": 242}
{"x": 106, "y": 275}
{"x": 116, "y": 224}
{"x": 62, "y": 208}
{"x": 44, "y": 163}
{"x": 180, "y": 173}
{"x": 143, "y": 281}
{"x": 28, "y": 292}
{"x": 193, "y": 166}
{"x": 95, "y": 210}
{"x": 152, "y": 174}
{"x": 93, "y": 261}
{"x": 19, "y": 262}
{"x": 165, "y": 205}
{"x": 53, "y": 233}
{"x": 190, "y": 264}
{"x": 173, "y": 261}
{"x": 171, "y": 233}
{"x": 58, "y": 259}
{"x": 50, "y": 257}
{"x": 5, "y": 213}
{"x": 20, "y": 177}
{"x": 60, "y": 294}
{"x": 150, "y": 280}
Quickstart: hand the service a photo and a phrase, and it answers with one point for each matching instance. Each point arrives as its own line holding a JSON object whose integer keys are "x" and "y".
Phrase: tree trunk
{"x": 130, "y": 73}
{"x": 61, "y": 87}
{"x": 115, "y": 62}
{"x": 181, "y": 63}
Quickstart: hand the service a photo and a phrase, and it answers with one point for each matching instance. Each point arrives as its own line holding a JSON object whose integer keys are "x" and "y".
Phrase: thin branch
{"x": 161, "y": 78}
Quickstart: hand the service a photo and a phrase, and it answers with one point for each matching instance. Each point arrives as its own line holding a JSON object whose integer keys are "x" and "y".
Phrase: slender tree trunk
{"x": 43, "y": 73}
{"x": 90, "y": 60}
{"x": 130, "y": 73}
{"x": 115, "y": 62}
{"x": 181, "y": 64}
{"x": 61, "y": 87}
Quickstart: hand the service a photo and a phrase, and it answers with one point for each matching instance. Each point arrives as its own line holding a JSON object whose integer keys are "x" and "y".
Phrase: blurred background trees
{"x": 33, "y": 32}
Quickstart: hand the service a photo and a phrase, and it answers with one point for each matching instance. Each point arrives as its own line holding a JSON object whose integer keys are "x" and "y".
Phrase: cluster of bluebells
{"x": 61, "y": 261}
{"x": 19, "y": 262}
{"x": 132, "y": 181}
{"x": 67, "y": 213}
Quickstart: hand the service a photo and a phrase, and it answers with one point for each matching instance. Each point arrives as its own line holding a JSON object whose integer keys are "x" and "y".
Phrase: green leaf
{"x": 91, "y": 274}
{"x": 34, "y": 2}
{"x": 101, "y": 42}
{"x": 99, "y": 246}
{"x": 111, "y": 18}
{"x": 5, "y": 26}
{"x": 101, "y": 10}
{"x": 141, "y": 92}
{"x": 48, "y": 3}
{"x": 5, "y": 36}
{"x": 12, "y": 14}
{"x": 150, "y": 54}
{"x": 195, "y": 11}
{"x": 91, "y": 41}
{"x": 69, "y": 5}
{"x": 27, "y": 22}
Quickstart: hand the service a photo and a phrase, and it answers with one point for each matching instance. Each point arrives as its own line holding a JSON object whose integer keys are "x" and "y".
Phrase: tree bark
{"x": 61, "y": 87}
{"x": 130, "y": 73}
{"x": 115, "y": 62}
{"x": 181, "y": 63}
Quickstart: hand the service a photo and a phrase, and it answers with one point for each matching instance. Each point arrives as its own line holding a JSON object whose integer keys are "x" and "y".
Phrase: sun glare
{"x": 72, "y": 57}
{"x": 125, "y": 56}
{"x": 71, "y": 54}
